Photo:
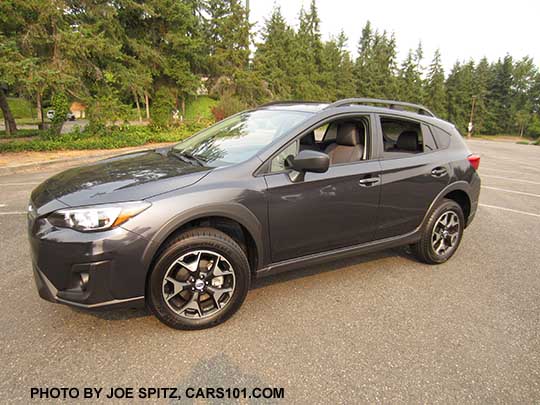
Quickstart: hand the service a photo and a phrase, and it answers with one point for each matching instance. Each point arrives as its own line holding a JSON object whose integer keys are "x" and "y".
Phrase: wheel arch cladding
{"x": 247, "y": 235}
{"x": 462, "y": 198}
{"x": 459, "y": 192}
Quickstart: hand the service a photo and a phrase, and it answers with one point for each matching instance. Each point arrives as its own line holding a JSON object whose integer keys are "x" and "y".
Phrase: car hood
{"x": 134, "y": 176}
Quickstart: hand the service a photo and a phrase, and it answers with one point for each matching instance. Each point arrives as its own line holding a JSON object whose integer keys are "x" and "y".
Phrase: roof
{"x": 304, "y": 106}
{"x": 361, "y": 104}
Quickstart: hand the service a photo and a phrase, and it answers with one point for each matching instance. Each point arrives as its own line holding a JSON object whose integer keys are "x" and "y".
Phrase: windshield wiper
{"x": 188, "y": 158}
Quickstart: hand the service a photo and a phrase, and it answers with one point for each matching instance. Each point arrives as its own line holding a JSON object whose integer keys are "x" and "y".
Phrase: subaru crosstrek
{"x": 184, "y": 229}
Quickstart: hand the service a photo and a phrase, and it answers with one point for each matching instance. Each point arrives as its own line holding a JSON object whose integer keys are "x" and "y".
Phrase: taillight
{"x": 474, "y": 160}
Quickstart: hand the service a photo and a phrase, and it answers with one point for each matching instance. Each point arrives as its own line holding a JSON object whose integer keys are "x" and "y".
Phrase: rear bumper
{"x": 88, "y": 270}
{"x": 474, "y": 196}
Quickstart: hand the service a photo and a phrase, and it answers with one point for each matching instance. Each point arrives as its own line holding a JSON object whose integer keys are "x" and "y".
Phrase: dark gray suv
{"x": 184, "y": 229}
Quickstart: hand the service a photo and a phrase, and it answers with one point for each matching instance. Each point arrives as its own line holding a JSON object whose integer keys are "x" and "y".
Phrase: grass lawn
{"x": 200, "y": 108}
{"x": 21, "y": 108}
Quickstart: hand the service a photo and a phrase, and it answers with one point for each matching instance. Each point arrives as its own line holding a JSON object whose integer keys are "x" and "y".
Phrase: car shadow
{"x": 142, "y": 312}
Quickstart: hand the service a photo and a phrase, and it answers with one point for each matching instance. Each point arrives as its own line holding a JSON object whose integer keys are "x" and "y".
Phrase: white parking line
{"x": 503, "y": 166}
{"x": 13, "y": 213}
{"x": 510, "y": 209}
{"x": 511, "y": 178}
{"x": 499, "y": 170}
{"x": 19, "y": 184}
{"x": 511, "y": 191}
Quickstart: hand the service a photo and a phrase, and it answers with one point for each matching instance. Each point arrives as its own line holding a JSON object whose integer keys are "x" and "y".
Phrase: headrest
{"x": 347, "y": 135}
{"x": 308, "y": 139}
{"x": 408, "y": 140}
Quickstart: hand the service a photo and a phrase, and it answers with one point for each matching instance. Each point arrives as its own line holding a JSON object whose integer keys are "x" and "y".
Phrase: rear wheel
{"x": 200, "y": 280}
{"x": 442, "y": 233}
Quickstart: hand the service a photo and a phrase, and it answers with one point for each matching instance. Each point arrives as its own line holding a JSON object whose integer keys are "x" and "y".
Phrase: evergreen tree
{"x": 337, "y": 69}
{"x": 308, "y": 56}
{"x": 435, "y": 87}
{"x": 533, "y": 128}
{"x": 110, "y": 54}
{"x": 363, "y": 65}
{"x": 330, "y": 64}
{"x": 410, "y": 78}
{"x": 500, "y": 97}
{"x": 228, "y": 38}
{"x": 375, "y": 67}
{"x": 459, "y": 94}
{"x": 480, "y": 91}
{"x": 383, "y": 70}
{"x": 38, "y": 48}
{"x": 273, "y": 59}
{"x": 345, "y": 72}
{"x": 524, "y": 75}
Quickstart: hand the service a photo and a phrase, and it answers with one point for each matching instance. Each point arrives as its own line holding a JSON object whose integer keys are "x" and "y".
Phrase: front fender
{"x": 234, "y": 211}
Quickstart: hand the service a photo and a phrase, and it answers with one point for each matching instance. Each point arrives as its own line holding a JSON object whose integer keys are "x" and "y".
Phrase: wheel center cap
{"x": 199, "y": 285}
{"x": 445, "y": 234}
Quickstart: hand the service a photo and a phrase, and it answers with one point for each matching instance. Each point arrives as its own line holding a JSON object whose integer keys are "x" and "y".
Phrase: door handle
{"x": 439, "y": 172}
{"x": 371, "y": 181}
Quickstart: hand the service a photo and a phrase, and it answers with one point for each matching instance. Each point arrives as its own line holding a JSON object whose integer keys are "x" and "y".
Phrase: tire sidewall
{"x": 241, "y": 272}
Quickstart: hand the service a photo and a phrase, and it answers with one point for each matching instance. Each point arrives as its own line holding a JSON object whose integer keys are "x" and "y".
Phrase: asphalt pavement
{"x": 380, "y": 328}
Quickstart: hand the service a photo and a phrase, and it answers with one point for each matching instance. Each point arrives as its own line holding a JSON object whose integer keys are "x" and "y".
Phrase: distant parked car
{"x": 69, "y": 116}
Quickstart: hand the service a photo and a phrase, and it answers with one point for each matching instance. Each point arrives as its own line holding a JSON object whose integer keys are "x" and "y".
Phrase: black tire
{"x": 424, "y": 249}
{"x": 205, "y": 239}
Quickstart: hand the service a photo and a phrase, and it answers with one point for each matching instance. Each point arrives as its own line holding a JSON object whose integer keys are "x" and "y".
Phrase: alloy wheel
{"x": 198, "y": 284}
{"x": 445, "y": 235}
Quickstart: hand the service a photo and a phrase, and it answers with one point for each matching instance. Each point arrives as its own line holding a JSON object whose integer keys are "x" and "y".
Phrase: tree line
{"x": 154, "y": 55}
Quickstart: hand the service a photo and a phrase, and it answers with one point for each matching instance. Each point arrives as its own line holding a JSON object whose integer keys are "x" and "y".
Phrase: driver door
{"x": 325, "y": 211}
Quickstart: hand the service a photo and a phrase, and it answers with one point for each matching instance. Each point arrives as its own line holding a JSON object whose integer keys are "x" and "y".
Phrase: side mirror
{"x": 307, "y": 161}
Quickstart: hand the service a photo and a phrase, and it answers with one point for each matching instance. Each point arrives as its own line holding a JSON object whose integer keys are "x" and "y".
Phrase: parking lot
{"x": 378, "y": 328}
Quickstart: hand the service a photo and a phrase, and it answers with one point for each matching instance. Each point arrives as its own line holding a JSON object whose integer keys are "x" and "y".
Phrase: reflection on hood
{"x": 127, "y": 177}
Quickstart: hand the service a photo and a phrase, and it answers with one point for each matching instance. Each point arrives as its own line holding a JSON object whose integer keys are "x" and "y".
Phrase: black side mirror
{"x": 307, "y": 161}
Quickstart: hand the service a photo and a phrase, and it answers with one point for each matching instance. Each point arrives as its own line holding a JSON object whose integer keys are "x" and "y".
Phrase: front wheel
{"x": 441, "y": 234}
{"x": 200, "y": 280}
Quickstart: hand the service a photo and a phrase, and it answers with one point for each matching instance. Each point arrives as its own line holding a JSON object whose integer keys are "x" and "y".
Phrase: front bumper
{"x": 87, "y": 270}
{"x": 48, "y": 292}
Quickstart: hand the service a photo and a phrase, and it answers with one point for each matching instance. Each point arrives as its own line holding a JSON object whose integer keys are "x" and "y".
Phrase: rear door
{"x": 413, "y": 173}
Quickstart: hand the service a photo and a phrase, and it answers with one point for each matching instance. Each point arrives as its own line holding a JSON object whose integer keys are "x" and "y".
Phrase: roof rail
{"x": 391, "y": 103}
{"x": 291, "y": 102}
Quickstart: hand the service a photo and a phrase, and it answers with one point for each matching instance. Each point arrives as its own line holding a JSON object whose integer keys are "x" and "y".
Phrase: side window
{"x": 343, "y": 140}
{"x": 278, "y": 162}
{"x": 441, "y": 137}
{"x": 401, "y": 137}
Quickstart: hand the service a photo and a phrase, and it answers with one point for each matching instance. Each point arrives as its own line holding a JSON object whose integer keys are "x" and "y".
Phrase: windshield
{"x": 239, "y": 137}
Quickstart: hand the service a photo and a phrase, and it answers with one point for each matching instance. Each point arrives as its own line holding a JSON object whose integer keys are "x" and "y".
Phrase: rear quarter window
{"x": 429, "y": 142}
{"x": 441, "y": 137}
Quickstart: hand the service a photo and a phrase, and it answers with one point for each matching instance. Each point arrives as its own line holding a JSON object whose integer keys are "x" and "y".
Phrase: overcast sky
{"x": 461, "y": 29}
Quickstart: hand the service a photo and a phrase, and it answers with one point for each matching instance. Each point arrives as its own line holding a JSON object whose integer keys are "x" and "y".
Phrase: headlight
{"x": 97, "y": 217}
